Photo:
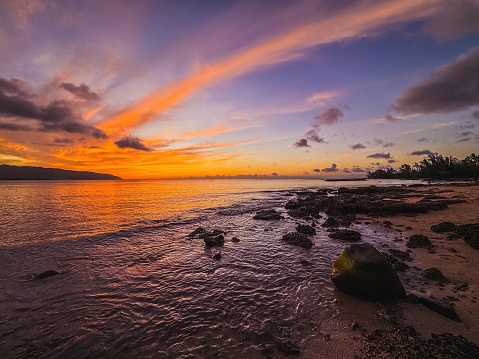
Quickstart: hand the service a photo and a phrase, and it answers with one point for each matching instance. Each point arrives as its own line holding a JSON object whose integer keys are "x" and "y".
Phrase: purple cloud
{"x": 82, "y": 91}
{"x": 333, "y": 168}
{"x": 449, "y": 88}
{"x": 357, "y": 146}
{"x": 383, "y": 155}
{"x": 302, "y": 142}
{"x": 422, "y": 153}
{"x": 132, "y": 142}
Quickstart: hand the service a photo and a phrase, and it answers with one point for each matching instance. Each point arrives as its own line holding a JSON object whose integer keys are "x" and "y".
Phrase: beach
{"x": 176, "y": 269}
{"x": 454, "y": 258}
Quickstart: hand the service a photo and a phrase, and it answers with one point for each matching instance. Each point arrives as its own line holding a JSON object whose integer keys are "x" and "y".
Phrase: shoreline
{"x": 361, "y": 325}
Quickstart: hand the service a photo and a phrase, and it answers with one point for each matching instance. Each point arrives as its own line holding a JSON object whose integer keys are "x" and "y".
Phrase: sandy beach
{"x": 348, "y": 334}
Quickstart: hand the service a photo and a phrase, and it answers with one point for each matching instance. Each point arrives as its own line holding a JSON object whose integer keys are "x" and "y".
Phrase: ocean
{"x": 132, "y": 284}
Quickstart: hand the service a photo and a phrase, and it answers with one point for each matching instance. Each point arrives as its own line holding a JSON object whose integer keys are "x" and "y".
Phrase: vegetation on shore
{"x": 433, "y": 167}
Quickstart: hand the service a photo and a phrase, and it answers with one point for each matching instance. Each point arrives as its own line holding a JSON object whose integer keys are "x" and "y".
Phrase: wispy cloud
{"x": 359, "y": 20}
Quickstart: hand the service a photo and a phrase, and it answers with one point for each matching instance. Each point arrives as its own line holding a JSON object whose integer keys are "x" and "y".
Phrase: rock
{"x": 330, "y": 222}
{"x": 346, "y": 235}
{"x": 46, "y": 274}
{"x": 443, "y": 227}
{"x": 212, "y": 241}
{"x": 411, "y": 298}
{"x": 355, "y": 326}
{"x": 434, "y": 274}
{"x": 397, "y": 264}
{"x": 361, "y": 271}
{"x": 405, "y": 256}
{"x": 268, "y": 215}
{"x": 305, "y": 229}
{"x": 440, "y": 307}
{"x": 198, "y": 233}
{"x": 298, "y": 239}
{"x": 470, "y": 233}
{"x": 217, "y": 256}
{"x": 235, "y": 239}
{"x": 419, "y": 241}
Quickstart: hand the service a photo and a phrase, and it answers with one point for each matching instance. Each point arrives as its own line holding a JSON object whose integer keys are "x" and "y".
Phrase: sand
{"x": 458, "y": 261}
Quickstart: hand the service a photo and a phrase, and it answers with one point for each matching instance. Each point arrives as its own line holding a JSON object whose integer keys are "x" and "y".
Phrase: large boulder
{"x": 362, "y": 272}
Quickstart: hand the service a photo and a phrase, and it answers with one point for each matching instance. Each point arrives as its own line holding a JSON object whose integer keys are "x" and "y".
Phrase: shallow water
{"x": 133, "y": 284}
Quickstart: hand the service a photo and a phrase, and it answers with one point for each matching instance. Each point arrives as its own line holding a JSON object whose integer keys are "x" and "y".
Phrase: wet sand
{"x": 455, "y": 258}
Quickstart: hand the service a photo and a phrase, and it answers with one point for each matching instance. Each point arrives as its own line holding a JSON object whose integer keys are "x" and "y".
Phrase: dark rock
{"x": 355, "y": 326}
{"x": 217, "y": 256}
{"x": 216, "y": 232}
{"x": 198, "y": 233}
{"x": 212, "y": 241}
{"x": 453, "y": 236}
{"x": 388, "y": 224}
{"x": 443, "y": 227}
{"x": 268, "y": 215}
{"x": 470, "y": 233}
{"x": 298, "y": 239}
{"x": 419, "y": 241}
{"x": 397, "y": 264}
{"x": 346, "y": 235}
{"x": 440, "y": 307}
{"x": 411, "y": 298}
{"x": 235, "y": 239}
{"x": 330, "y": 222}
{"x": 46, "y": 274}
{"x": 405, "y": 256}
{"x": 361, "y": 271}
{"x": 305, "y": 229}
{"x": 462, "y": 286}
{"x": 434, "y": 274}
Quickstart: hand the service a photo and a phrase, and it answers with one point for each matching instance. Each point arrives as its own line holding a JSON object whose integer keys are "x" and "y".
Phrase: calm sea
{"x": 133, "y": 285}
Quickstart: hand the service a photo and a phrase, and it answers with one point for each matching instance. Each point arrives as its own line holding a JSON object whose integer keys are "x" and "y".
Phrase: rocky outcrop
{"x": 434, "y": 274}
{"x": 298, "y": 239}
{"x": 212, "y": 241}
{"x": 361, "y": 271}
{"x": 419, "y": 241}
{"x": 46, "y": 274}
{"x": 268, "y": 215}
{"x": 443, "y": 227}
{"x": 305, "y": 229}
{"x": 346, "y": 235}
{"x": 440, "y": 307}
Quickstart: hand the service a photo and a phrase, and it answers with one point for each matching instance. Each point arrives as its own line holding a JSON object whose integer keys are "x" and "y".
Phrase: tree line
{"x": 433, "y": 167}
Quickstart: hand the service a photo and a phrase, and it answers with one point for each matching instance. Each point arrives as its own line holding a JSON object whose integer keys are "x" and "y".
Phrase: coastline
{"x": 349, "y": 333}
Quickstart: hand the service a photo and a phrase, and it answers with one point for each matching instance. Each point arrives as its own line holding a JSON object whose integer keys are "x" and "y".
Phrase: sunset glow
{"x": 155, "y": 89}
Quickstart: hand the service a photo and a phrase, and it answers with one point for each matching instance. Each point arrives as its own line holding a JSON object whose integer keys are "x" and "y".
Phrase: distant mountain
{"x": 8, "y": 172}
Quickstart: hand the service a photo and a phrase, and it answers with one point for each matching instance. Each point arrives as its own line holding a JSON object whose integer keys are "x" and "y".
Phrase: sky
{"x": 167, "y": 88}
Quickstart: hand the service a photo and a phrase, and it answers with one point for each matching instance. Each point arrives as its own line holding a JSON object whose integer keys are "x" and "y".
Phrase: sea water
{"x": 132, "y": 284}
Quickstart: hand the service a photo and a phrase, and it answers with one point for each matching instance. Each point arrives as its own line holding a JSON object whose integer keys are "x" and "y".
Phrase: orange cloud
{"x": 360, "y": 20}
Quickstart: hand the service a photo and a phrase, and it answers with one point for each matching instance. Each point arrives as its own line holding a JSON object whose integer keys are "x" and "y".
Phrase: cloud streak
{"x": 383, "y": 155}
{"x": 422, "y": 153}
{"x": 352, "y": 21}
